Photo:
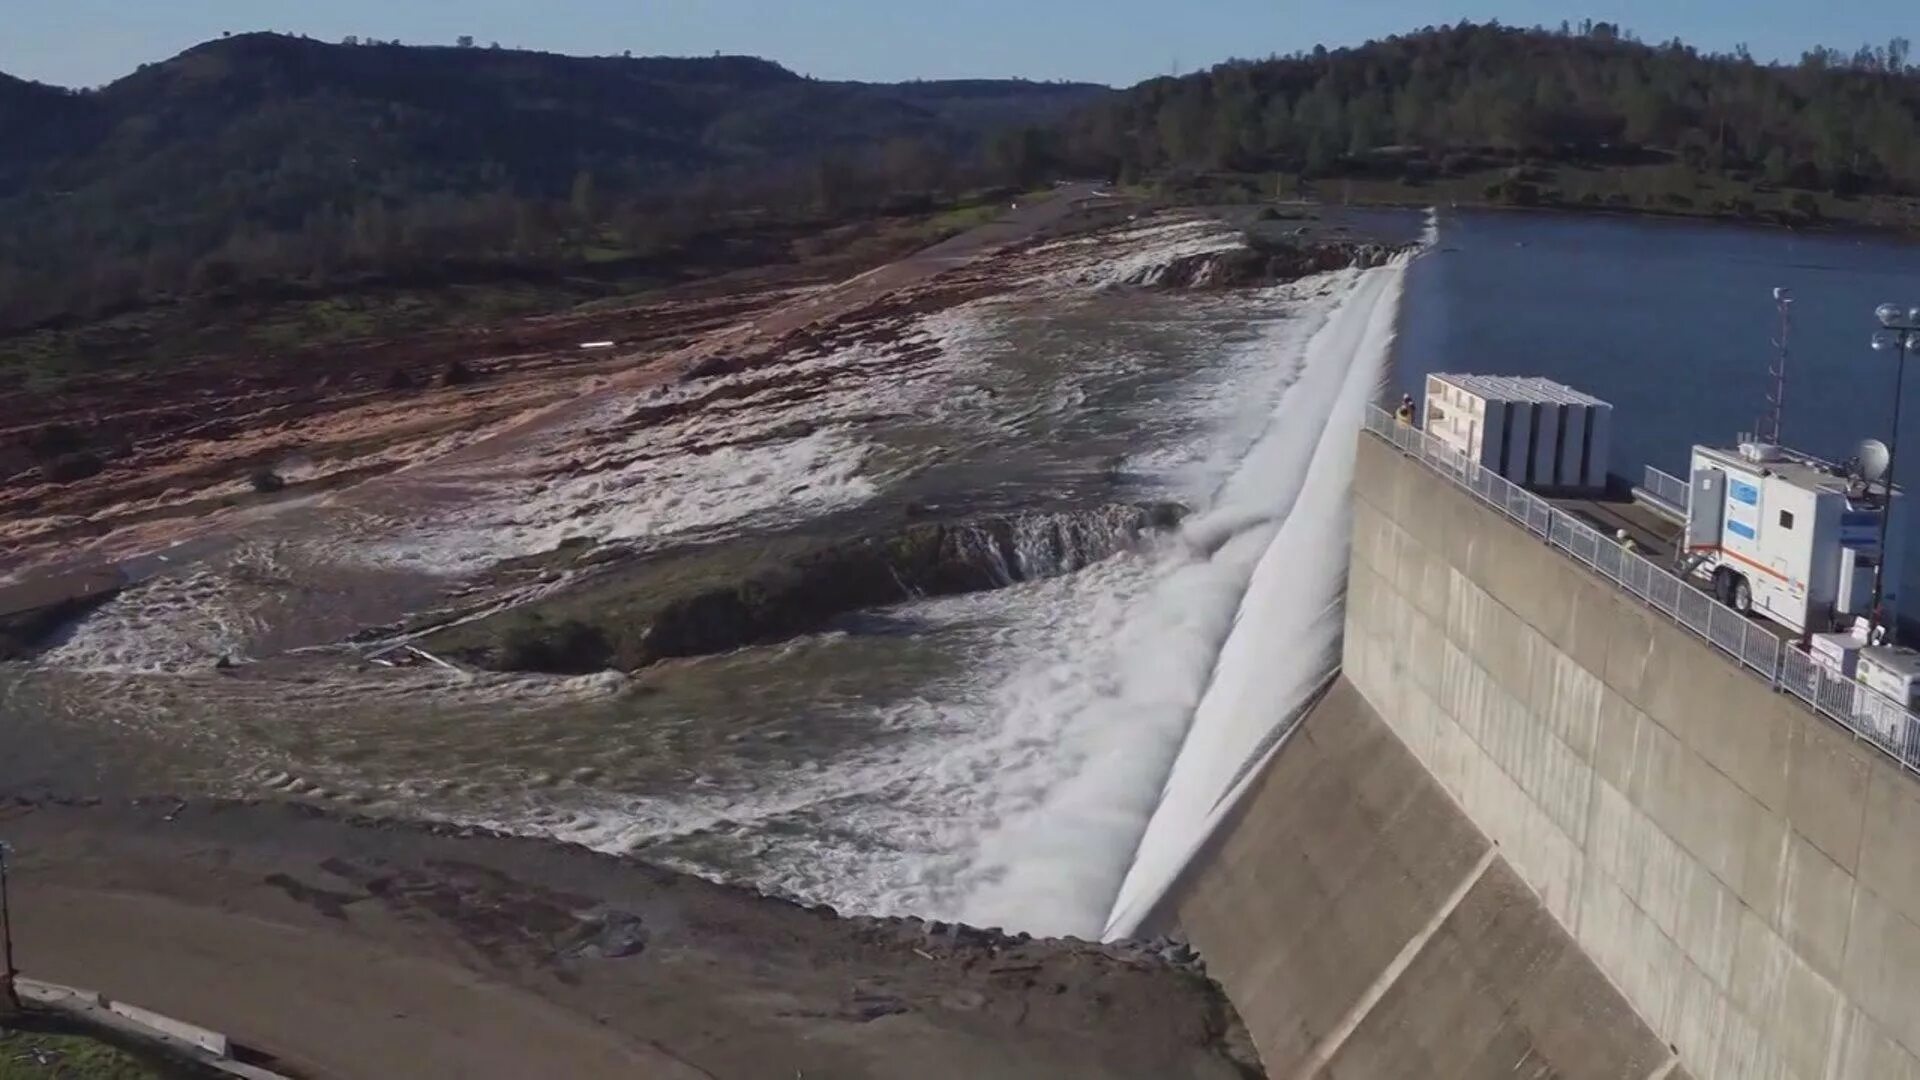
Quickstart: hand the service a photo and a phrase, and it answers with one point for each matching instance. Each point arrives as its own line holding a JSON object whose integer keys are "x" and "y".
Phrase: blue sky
{"x": 88, "y": 42}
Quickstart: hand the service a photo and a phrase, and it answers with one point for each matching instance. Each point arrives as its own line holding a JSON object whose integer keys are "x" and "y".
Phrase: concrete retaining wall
{"x": 1741, "y": 869}
{"x": 1365, "y": 928}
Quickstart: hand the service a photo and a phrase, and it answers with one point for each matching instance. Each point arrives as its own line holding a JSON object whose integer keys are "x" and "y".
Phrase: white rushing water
{"x": 1238, "y": 627}
{"x": 169, "y": 623}
{"x": 1100, "y": 715}
{"x": 1014, "y": 790}
{"x": 1287, "y": 631}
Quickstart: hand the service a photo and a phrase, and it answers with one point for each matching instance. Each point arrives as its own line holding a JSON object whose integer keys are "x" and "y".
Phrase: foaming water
{"x": 771, "y": 445}
{"x": 1287, "y": 631}
{"x": 1014, "y": 788}
{"x": 1138, "y": 256}
{"x": 654, "y": 497}
{"x": 1059, "y": 678}
{"x": 1058, "y": 867}
{"x": 160, "y": 626}
{"x": 1017, "y": 794}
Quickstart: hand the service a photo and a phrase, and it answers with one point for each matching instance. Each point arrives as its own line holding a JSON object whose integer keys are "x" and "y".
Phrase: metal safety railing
{"x": 1667, "y": 488}
{"x": 1869, "y": 714}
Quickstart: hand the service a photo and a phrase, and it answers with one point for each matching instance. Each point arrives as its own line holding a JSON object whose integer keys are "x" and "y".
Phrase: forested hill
{"x": 1834, "y": 123}
{"x": 269, "y": 155}
{"x": 271, "y": 161}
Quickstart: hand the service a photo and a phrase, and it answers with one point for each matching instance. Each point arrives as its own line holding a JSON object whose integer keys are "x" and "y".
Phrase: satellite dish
{"x": 1874, "y": 456}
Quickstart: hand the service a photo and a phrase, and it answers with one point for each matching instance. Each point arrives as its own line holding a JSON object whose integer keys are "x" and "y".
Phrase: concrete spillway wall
{"x": 1539, "y": 830}
{"x": 1365, "y": 928}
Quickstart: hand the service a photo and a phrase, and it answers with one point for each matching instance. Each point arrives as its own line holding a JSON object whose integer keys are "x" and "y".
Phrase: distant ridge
{"x": 266, "y": 150}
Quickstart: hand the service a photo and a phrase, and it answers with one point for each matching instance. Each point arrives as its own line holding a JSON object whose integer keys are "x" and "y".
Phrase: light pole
{"x": 1899, "y": 333}
{"x": 1768, "y": 430}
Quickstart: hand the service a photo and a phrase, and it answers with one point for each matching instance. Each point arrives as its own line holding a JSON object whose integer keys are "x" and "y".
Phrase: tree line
{"x": 79, "y": 267}
{"x": 271, "y": 162}
{"x": 1839, "y": 122}
{"x": 275, "y": 161}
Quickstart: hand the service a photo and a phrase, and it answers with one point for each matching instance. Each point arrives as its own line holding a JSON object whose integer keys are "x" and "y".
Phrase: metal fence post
{"x": 9, "y": 994}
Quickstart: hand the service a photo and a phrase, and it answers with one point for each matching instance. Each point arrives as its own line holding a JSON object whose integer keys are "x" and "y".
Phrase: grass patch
{"x": 26, "y": 1055}
{"x": 956, "y": 221}
{"x": 965, "y": 217}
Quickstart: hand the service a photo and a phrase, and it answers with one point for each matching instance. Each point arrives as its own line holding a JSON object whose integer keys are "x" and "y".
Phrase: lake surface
{"x": 1672, "y": 322}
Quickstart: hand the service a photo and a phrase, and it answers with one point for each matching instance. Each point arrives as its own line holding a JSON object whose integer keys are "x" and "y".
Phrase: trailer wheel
{"x": 1722, "y": 587}
{"x": 1742, "y": 595}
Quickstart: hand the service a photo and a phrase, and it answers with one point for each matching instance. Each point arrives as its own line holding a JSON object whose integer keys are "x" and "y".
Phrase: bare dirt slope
{"x": 350, "y": 949}
{"x": 177, "y": 456}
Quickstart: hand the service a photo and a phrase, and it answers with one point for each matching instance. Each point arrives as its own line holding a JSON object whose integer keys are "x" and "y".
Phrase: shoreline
{"x": 1821, "y": 227}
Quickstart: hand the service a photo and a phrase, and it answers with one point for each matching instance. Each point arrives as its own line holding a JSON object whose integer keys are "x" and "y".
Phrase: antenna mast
{"x": 1768, "y": 430}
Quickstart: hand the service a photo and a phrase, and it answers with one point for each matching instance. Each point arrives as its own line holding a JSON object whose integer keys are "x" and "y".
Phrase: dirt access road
{"x": 344, "y": 949}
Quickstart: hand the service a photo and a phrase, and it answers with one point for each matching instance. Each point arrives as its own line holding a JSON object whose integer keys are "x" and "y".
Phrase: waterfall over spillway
{"x": 1285, "y": 637}
{"x": 1193, "y": 667}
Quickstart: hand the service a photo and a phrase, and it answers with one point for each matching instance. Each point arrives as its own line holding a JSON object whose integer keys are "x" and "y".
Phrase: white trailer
{"x": 1535, "y": 432}
{"x": 1790, "y": 537}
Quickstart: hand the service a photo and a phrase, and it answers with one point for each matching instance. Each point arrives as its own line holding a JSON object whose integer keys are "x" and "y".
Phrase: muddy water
{"x": 863, "y": 765}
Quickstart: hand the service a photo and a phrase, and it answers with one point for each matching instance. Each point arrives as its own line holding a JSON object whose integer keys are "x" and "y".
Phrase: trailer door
{"x": 1707, "y": 509}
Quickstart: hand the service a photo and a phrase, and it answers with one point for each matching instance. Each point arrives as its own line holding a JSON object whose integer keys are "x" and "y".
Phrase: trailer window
{"x": 1786, "y": 519}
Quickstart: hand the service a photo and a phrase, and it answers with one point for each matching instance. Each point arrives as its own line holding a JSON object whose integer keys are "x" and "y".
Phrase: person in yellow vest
{"x": 1404, "y": 413}
{"x": 1626, "y": 542}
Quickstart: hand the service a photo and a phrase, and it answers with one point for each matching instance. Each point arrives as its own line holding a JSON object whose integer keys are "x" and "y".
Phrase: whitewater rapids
{"x": 1240, "y": 628}
{"x": 1286, "y": 635}
{"x": 1060, "y": 781}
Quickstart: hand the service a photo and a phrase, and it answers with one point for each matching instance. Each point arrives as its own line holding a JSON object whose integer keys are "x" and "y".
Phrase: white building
{"x": 1533, "y": 431}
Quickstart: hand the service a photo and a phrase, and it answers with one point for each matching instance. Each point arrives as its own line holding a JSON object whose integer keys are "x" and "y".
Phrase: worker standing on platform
{"x": 1404, "y": 413}
{"x": 1626, "y": 542}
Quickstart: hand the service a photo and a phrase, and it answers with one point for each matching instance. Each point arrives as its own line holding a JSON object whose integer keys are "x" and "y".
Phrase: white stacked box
{"x": 1532, "y": 431}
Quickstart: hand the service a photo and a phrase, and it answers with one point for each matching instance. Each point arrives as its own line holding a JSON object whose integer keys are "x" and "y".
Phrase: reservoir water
{"x": 1672, "y": 322}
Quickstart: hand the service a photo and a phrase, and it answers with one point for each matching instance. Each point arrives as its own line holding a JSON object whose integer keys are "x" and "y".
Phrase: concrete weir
{"x": 1538, "y": 830}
